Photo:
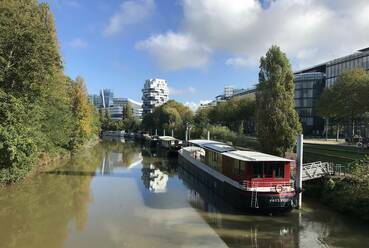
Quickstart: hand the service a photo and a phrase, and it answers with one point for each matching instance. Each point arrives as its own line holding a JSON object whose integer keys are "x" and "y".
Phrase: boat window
{"x": 279, "y": 170}
{"x": 258, "y": 171}
{"x": 238, "y": 167}
{"x": 215, "y": 157}
{"x": 268, "y": 170}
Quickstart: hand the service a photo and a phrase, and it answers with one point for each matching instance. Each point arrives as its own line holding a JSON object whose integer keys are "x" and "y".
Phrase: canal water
{"x": 119, "y": 194}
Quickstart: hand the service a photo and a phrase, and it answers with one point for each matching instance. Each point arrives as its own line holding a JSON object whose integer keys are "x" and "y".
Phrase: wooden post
{"x": 156, "y": 132}
{"x": 172, "y": 133}
{"x": 208, "y": 135}
{"x": 186, "y": 136}
{"x": 299, "y": 161}
{"x": 164, "y": 132}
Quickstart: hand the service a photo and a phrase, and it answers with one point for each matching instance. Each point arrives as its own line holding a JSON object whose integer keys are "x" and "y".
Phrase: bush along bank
{"x": 348, "y": 194}
{"x": 43, "y": 113}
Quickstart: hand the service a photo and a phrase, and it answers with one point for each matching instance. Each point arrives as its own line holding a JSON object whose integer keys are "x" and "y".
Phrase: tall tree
{"x": 277, "y": 121}
{"x": 127, "y": 111}
{"x": 347, "y": 99}
{"x": 83, "y": 113}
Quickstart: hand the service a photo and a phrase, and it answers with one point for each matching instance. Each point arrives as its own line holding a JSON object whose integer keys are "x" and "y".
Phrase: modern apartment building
{"x": 154, "y": 93}
{"x": 310, "y": 82}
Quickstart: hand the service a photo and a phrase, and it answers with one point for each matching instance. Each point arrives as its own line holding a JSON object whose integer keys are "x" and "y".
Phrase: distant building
{"x": 114, "y": 105}
{"x": 228, "y": 91}
{"x": 136, "y": 106}
{"x": 106, "y": 97}
{"x": 308, "y": 87}
{"x": 96, "y": 100}
{"x": 310, "y": 82}
{"x": 116, "y": 112}
{"x": 154, "y": 93}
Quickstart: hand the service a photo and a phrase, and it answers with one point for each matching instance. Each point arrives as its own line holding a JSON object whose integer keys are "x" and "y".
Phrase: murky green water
{"x": 121, "y": 195}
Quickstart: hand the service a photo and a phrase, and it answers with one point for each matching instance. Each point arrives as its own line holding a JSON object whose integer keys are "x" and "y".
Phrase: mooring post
{"x": 208, "y": 135}
{"x": 186, "y": 136}
{"x": 299, "y": 161}
{"x": 164, "y": 132}
{"x": 156, "y": 132}
{"x": 172, "y": 133}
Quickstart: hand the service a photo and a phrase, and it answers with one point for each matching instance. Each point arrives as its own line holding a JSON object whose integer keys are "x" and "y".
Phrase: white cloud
{"x": 78, "y": 43}
{"x": 195, "y": 105}
{"x": 175, "y": 51}
{"x": 130, "y": 12}
{"x": 309, "y": 31}
{"x": 180, "y": 92}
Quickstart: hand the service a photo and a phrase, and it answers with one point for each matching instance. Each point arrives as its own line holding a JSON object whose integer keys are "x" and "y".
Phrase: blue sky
{"x": 199, "y": 46}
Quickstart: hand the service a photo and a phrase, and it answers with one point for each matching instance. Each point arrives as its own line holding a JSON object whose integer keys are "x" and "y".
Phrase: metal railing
{"x": 272, "y": 185}
{"x": 316, "y": 170}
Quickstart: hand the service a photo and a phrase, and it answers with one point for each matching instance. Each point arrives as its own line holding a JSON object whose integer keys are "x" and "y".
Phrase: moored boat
{"x": 246, "y": 179}
{"x": 170, "y": 143}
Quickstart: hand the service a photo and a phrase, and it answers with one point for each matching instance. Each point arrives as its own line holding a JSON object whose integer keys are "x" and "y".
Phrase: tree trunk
{"x": 326, "y": 128}
{"x": 338, "y": 132}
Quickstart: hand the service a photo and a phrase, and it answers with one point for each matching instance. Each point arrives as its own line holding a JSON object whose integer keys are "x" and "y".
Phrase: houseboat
{"x": 151, "y": 141}
{"x": 170, "y": 143}
{"x": 246, "y": 179}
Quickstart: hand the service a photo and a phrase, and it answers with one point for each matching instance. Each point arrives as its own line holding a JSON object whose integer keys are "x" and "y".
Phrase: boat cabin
{"x": 250, "y": 168}
{"x": 170, "y": 142}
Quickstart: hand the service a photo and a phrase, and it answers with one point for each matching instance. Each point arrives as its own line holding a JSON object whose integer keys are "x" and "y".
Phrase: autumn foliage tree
{"x": 36, "y": 97}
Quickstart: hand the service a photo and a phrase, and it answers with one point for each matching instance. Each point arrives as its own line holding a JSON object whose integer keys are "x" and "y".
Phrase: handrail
{"x": 254, "y": 184}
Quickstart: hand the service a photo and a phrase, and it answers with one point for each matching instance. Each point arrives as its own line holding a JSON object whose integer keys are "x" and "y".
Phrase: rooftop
{"x": 167, "y": 138}
{"x": 232, "y": 152}
{"x": 253, "y": 156}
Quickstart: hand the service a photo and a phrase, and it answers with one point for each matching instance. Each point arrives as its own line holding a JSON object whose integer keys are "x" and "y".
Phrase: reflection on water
{"x": 123, "y": 195}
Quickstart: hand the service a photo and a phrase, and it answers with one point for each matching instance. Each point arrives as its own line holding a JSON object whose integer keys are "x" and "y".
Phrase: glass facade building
{"x": 308, "y": 87}
{"x": 310, "y": 82}
{"x": 107, "y": 97}
{"x": 335, "y": 67}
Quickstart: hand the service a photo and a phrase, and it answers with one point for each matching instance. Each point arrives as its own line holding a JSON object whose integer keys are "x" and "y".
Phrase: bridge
{"x": 316, "y": 170}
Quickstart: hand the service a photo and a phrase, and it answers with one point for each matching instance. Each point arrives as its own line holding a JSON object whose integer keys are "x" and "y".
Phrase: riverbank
{"x": 347, "y": 194}
{"x": 46, "y": 161}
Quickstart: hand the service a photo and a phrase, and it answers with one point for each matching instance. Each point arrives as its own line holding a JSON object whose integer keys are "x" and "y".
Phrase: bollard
{"x": 299, "y": 161}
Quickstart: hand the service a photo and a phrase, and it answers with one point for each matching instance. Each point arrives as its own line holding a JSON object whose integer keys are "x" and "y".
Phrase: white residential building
{"x": 154, "y": 93}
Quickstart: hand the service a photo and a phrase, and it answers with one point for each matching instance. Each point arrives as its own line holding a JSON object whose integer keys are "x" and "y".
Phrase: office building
{"x": 106, "y": 97}
{"x": 308, "y": 87}
{"x": 96, "y": 100}
{"x": 154, "y": 94}
{"x": 310, "y": 82}
{"x": 136, "y": 106}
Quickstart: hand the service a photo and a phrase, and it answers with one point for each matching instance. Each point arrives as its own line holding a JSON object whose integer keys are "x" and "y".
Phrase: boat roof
{"x": 250, "y": 156}
{"x": 213, "y": 145}
{"x": 167, "y": 138}
{"x": 201, "y": 142}
{"x": 219, "y": 147}
{"x": 232, "y": 152}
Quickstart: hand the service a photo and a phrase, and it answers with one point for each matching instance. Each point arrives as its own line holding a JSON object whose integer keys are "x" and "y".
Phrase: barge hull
{"x": 241, "y": 199}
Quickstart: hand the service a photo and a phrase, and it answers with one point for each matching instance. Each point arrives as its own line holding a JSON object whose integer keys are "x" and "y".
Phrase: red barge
{"x": 246, "y": 179}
